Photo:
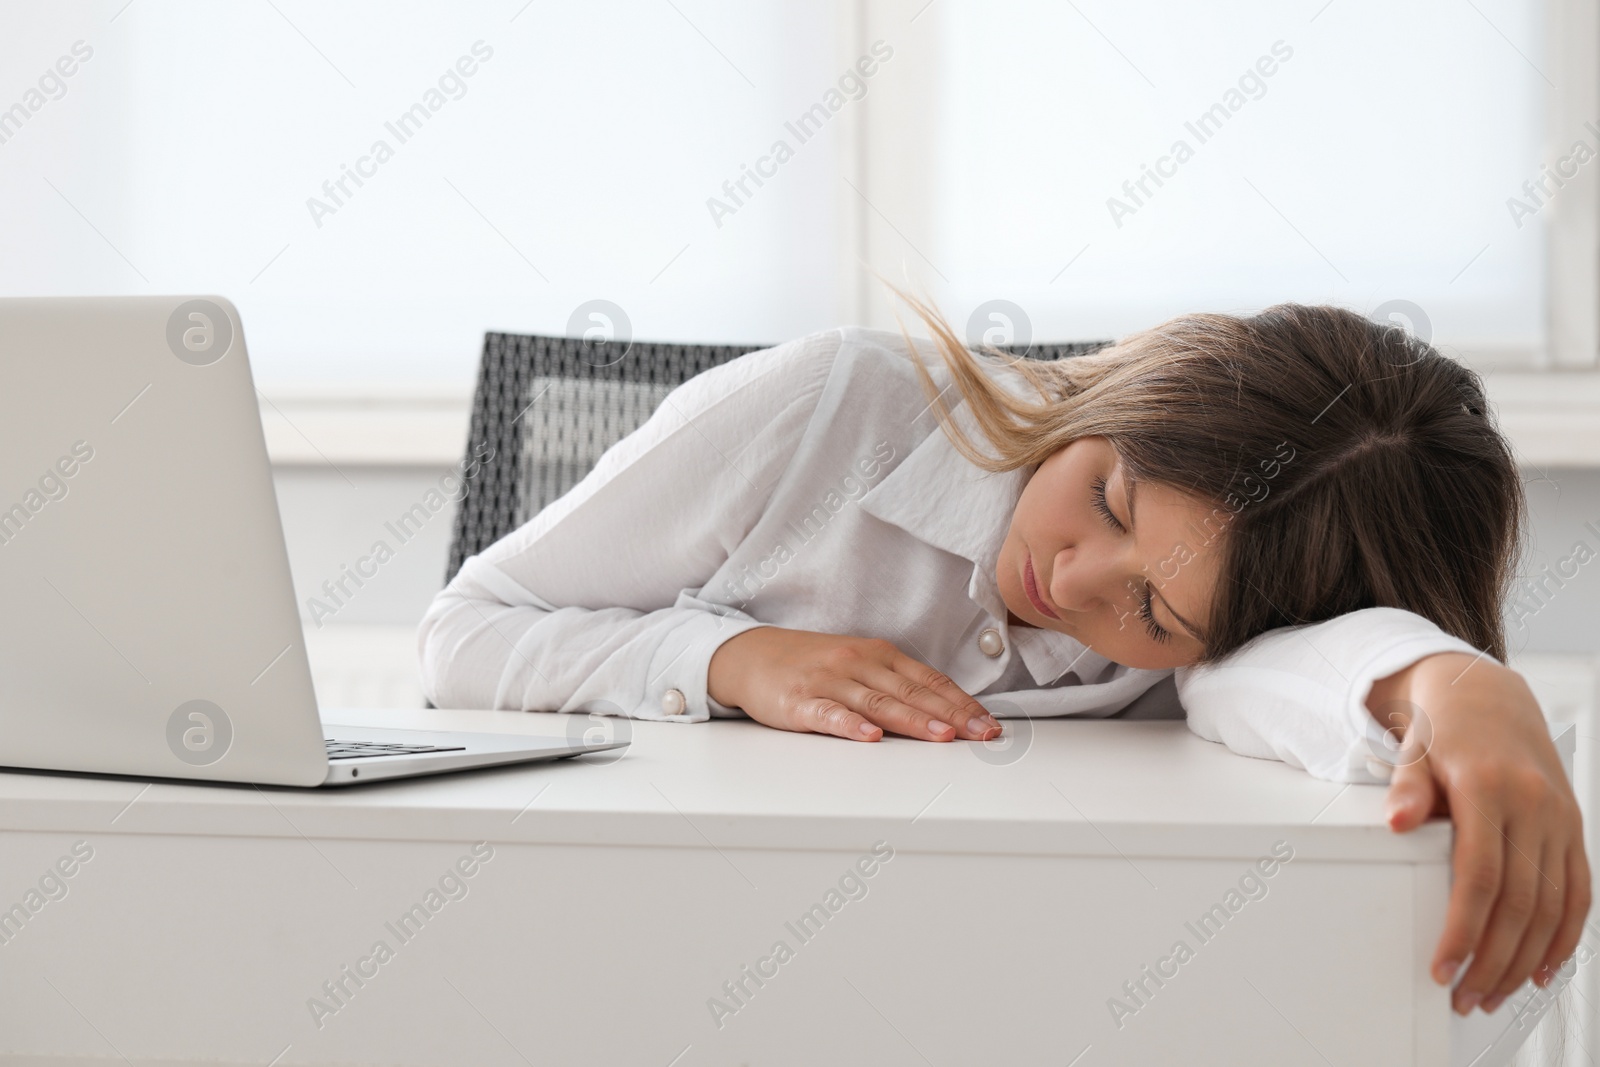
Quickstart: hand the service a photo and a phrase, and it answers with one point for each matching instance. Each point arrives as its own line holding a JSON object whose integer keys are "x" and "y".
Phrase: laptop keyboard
{"x": 354, "y": 749}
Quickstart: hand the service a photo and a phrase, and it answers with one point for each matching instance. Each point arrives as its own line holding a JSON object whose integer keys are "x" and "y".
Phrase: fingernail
{"x": 1445, "y": 973}
{"x": 939, "y": 729}
{"x": 1492, "y": 1003}
{"x": 1467, "y": 1001}
{"x": 979, "y": 726}
{"x": 866, "y": 729}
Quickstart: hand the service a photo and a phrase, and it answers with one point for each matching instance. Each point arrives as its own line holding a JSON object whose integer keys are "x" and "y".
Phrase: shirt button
{"x": 990, "y": 643}
{"x": 672, "y": 702}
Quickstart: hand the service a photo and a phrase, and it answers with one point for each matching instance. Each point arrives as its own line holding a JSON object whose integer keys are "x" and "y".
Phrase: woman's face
{"x": 1128, "y": 569}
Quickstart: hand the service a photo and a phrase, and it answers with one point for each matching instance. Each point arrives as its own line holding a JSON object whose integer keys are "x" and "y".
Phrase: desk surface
{"x": 1084, "y": 788}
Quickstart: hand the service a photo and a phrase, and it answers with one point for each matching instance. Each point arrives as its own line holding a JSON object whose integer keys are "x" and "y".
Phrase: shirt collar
{"x": 940, "y": 497}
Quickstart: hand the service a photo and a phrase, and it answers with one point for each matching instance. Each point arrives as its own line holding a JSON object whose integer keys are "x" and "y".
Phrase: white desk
{"x": 621, "y": 896}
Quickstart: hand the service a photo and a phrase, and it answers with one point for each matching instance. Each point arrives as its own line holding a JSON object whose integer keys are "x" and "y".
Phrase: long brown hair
{"x": 1398, "y": 489}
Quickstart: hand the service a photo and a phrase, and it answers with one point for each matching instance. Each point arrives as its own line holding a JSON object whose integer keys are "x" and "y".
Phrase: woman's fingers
{"x": 1547, "y": 914}
{"x": 824, "y": 692}
{"x": 1508, "y": 921}
{"x": 1518, "y": 901}
{"x": 1575, "y": 910}
{"x": 934, "y": 691}
{"x": 823, "y": 716}
{"x": 893, "y": 702}
{"x": 967, "y": 718}
{"x": 1412, "y": 794}
{"x": 850, "y": 687}
{"x": 1477, "y": 866}
{"x": 877, "y": 706}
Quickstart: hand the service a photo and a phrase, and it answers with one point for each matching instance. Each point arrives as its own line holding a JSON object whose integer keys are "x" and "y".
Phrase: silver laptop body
{"x": 148, "y": 623}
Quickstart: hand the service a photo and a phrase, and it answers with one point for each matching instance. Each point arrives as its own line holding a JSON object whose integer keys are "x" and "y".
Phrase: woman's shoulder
{"x": 885, "y": 351}
{"x": 857, "y": 355}
{"x": 791, "y": 370}
{"x": 869, "y": 373}
{"x": 869, "y": 347}
{"x": 886, "y": 359}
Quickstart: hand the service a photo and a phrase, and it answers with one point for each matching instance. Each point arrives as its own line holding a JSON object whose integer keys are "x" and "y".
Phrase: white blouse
{"x": 810, "y": 486}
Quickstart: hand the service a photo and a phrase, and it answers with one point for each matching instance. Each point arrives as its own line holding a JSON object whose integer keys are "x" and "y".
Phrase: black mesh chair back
{"x": 547, "y": 407}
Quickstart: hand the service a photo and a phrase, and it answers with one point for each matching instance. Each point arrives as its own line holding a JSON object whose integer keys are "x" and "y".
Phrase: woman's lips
{"x": 1031, "y": 585}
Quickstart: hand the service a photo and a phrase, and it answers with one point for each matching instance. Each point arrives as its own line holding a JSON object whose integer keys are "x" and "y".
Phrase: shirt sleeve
{"x": 595, "y": 603}
{"x": 1299, "y": 694}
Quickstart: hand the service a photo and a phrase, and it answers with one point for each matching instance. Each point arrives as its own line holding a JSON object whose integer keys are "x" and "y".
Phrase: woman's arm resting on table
{"x": 598, "y": 603}
{"x": 1321, "y": 696}
{"x": 593, "y": 604}
{"x": 1477, "y": 748}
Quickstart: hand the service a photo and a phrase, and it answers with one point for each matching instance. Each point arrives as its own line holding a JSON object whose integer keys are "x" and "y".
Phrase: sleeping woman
{"x": 1297, "y": 525}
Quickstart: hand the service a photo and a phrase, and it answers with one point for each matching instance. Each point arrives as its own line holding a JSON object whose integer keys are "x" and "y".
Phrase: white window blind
{"x": 573, "y": 164}
{"x": 376, "y": 184}
{"x": 1221, "y": 156}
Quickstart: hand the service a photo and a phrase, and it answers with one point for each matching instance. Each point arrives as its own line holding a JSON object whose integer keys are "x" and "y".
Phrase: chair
{"x": 549, "y": 406}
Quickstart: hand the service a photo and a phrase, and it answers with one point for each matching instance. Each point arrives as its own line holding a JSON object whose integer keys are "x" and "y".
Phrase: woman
{"x": 1300, "y": 524}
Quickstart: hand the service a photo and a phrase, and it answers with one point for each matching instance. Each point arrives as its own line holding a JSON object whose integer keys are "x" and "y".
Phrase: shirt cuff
{"x": 1382, "y": 642}
{"x": 675, "y": 690}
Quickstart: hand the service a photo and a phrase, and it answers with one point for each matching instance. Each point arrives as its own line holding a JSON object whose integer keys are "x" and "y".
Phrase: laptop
{"x": 148, "y": 624}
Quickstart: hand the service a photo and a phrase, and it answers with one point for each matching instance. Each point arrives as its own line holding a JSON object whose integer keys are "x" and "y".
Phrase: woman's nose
{"x": 1077, "y": 581}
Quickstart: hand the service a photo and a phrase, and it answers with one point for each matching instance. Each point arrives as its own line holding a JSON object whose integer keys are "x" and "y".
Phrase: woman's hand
{"x": 852, "y": 687}
{"x": 1477, "y": 747}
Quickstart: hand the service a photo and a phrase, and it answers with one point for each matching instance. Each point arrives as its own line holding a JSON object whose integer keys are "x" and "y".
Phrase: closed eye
{"x": 1103, "y": 506}
{"x": 1156, "y": 631}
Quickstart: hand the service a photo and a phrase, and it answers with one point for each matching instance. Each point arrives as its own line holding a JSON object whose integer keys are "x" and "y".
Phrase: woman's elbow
{"x": 435, "y": 648}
